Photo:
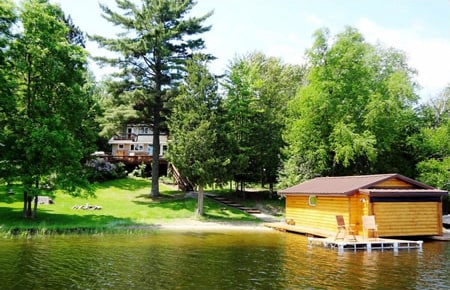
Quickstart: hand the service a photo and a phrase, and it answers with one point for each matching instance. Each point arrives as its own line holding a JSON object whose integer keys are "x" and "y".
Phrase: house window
{"x": 120, "y": 146}
{"x": 312, "y": 200}
{"x": 139, "y": 147}
{"x": 150, "y": 149}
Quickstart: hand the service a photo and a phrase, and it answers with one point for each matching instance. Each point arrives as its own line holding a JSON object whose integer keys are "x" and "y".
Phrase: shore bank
{"x": 196, "y": 225}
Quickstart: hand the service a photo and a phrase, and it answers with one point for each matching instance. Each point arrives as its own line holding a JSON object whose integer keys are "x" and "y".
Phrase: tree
{"x": 196, "y": 139}
{"x": 355, "y": 112}
{"x": 258, "y": 88}
{"x": 7, "y": 101}
{"x": 432, "y": 143}
{"x": 157, "y": 39}
{"x": 52, "y": 117}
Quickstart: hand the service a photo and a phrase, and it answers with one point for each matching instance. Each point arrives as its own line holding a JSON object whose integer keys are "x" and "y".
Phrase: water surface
{"x": 213, "y": 260}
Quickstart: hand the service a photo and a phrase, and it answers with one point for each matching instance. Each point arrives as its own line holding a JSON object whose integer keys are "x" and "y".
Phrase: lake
{"x": 212, "y": 260}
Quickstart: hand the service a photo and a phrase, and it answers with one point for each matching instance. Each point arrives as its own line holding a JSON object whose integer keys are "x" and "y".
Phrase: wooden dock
{"x": 327, "y": 239}
{"x": 366, "y": 244}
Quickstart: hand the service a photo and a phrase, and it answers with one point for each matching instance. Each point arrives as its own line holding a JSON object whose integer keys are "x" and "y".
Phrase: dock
{"x": 366, "y": 244}
{"x": 327, "y": 239}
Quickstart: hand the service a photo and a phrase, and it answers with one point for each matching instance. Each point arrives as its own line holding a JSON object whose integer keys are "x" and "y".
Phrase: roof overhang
{"x": 403, "y": 192}
{"x": 318, "y": 193}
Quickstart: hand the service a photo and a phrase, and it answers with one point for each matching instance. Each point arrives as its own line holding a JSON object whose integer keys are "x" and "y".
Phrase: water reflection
{"x": 213, "y": 260}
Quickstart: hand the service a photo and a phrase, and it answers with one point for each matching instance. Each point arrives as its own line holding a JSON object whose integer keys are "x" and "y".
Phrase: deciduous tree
{"x": 53, "y": 105}
{"x": 353, "y": 116}
{"x": 7, "y": 100}
{"x": 258, "y": 88}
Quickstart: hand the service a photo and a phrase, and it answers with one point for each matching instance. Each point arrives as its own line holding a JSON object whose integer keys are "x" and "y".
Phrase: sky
{"x": 284, "y": 29}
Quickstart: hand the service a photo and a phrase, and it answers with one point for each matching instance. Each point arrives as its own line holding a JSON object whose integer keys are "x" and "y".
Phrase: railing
{"x": 182, "y": 182}
{"x": 131, "y": 137}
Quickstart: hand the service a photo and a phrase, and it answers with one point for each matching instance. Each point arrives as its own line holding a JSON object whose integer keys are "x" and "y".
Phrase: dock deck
{"x": 366, "y": 244}
{"x": 326, "y": 239}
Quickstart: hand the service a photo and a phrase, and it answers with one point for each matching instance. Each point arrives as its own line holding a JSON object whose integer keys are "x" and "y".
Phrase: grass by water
{"x": 125, "y": 203}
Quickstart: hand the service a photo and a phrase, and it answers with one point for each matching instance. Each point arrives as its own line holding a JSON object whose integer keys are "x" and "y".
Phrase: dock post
{"x": 369, "y": 247}
{"x": 341, "y": 247}
{"x": 419, "y": 243}
{"x": 396, "y": 247}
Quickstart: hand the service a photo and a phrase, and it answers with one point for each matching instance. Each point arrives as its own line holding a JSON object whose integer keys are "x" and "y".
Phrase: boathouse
{"x": 402, "y": 206}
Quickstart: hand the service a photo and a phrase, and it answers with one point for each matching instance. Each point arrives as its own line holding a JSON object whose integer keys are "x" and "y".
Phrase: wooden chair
{"x": 343, "y": 230}
{"x": 370, "y": 226}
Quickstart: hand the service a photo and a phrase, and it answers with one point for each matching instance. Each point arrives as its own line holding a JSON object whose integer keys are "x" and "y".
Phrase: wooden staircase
{"x": 182, "y": 181}
{"x": 236, "y": 205}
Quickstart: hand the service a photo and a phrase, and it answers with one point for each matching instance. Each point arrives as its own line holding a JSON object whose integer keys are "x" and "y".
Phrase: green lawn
{"x": 124, "y": 202}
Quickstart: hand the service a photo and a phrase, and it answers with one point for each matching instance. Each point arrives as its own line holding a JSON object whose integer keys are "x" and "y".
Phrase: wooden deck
{"x": 367, "y": 244}
{"x": 327, "y": 239}
{"x": 300, "y": 230}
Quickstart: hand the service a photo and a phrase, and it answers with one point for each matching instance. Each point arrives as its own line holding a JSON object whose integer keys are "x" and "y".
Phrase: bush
{"x": 140, "y": 171}
{"x": 102, "y": 170}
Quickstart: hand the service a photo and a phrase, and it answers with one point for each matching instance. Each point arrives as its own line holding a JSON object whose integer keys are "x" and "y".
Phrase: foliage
{"x": 432, "y": 143}
{"x": 7, "y": 19}
{"x": 258, "y": 88}
{"x": 50, "y": 123}
{"x": 99, "y": 170}
{"x": 150, "y": 53}
{"x": 195, "y": 147}
{"x": 355, "y": 112}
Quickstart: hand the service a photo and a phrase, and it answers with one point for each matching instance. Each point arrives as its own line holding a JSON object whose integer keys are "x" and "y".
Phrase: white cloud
{"x": 428, "y": 55}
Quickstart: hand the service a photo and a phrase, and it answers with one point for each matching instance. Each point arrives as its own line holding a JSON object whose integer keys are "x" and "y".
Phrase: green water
{"x": 212, "y": 260}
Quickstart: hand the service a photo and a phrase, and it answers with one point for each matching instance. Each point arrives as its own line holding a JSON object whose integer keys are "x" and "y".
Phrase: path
{"x": 252, "y": 211}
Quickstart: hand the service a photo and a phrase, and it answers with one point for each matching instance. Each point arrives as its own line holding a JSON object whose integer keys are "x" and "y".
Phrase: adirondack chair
{"x": 343, "y": 230}
{"x": 370, "y": 227}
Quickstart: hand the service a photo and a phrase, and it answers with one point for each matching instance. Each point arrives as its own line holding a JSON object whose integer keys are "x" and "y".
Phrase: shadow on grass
{"x": 130, "y": 184}
{"x": 213, "y": 210}
{"x": 11, "y": 221}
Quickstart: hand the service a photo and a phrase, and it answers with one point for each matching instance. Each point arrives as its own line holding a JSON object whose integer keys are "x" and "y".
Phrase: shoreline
{"x": 195, "y": 225}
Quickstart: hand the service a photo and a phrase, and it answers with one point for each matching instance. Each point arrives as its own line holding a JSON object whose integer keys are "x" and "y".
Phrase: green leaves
{"x": 355, "y": 112}
{"x": 151, "y": 51}
{"x": 52, "y": 122}
{"x": 196, "y": 147}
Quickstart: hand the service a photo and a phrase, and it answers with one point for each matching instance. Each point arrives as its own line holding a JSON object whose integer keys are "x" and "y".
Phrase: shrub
{"x": 102, "y": 170}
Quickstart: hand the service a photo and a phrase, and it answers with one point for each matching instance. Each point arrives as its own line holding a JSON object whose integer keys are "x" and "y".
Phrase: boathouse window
{"x": 312, "y": 200}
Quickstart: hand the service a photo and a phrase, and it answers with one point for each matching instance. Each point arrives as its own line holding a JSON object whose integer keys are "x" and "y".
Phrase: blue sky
{"x": 284, "y": 28}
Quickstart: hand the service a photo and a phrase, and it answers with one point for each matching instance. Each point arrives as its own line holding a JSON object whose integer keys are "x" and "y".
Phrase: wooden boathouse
{"x": 402, "y": 207}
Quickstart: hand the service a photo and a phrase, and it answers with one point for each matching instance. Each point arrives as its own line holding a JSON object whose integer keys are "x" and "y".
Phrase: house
{"x": 135, "y": 145}
{"x": 401, "y": 206}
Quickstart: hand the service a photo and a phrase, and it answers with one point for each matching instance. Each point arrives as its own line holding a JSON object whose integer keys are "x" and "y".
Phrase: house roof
{"x": 348, "y": 185}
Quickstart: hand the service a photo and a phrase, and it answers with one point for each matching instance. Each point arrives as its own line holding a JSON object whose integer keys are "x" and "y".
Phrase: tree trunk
{"x": 25, "y": 200}
{"x": 155, "y": 163}
{"x": 35, "y": 206}
{"x": 29, "y": 200}
{"x": 200, "y": 211}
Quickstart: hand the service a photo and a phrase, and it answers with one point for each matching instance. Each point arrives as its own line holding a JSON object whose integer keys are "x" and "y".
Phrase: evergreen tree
{"x": 196, "y": 139}
{"x": 157, "y": 39}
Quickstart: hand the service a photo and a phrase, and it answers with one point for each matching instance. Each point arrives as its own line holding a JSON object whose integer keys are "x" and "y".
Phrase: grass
{"x": 125, "y": 204}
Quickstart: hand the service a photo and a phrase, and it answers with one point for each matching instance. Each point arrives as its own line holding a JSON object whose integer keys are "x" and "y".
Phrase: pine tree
{"x": 157, "y": 39}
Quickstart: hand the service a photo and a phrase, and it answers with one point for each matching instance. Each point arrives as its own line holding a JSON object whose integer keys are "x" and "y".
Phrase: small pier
{"x": 366, "y": 244}
{"x": 327, "y": 239}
